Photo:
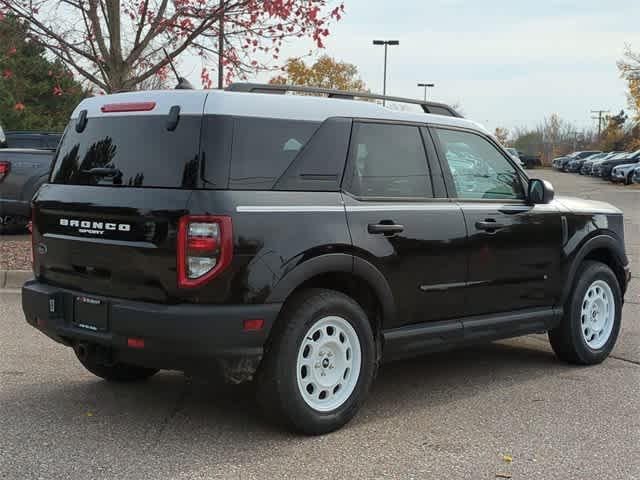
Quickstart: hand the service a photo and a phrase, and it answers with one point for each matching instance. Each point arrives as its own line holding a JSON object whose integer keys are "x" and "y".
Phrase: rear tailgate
{"x": 124, "y": 245}
{"x": 116, "y": 234}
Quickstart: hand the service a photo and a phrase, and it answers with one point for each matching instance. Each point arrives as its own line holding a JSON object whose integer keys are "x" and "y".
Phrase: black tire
{"x": 567, "y": 340}
{"x": 117, "y": 372}
{"x": 627, "y": 181}
{"x": 277, "y": 386}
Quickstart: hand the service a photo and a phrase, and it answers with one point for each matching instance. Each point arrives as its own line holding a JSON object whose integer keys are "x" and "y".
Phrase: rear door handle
{"x": 385, "y": 228}
{"x": 489, "y": 225}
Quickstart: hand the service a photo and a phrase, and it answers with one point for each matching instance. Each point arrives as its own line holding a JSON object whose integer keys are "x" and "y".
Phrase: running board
{"x": 428, "y": 337}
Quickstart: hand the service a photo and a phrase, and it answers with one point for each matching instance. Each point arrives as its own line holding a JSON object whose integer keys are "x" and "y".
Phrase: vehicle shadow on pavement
{"x": 401, "y": 387}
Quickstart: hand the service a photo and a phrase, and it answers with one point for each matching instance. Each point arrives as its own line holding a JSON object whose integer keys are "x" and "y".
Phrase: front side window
{"x": 479, "y": 170}
{"x": 388, "y": 161}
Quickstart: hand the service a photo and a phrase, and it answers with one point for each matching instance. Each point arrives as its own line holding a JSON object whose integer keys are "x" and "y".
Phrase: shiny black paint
{"x": 519, "y": 264}
{"x": 425, "y": 264}
{"x": 439, "y": 267}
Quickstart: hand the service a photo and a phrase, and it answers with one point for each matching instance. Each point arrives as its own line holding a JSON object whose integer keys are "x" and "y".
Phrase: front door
{"x": 415, "y": 240}
{"x": 514, "y": 248}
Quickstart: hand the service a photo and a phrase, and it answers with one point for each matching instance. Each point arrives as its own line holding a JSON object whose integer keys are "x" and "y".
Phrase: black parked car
{"x": 38, "y": 140}
{"x": 589, "y": 164}
{"x": 561, "y": 162}
{"x": 603, "y": 169}
{"x": 301, "y": 241}
{"x": 22, "y": 172}
{"x": 575, "y": 164}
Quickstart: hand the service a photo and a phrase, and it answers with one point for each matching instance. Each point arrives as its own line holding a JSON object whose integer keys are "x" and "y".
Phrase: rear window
{"x": 140, "y": 148}
{"x": 263, "y": 148}
{"x": 38, "y": 141}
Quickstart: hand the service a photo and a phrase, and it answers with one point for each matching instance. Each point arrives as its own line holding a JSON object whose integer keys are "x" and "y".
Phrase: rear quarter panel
{"x": 274, "y": 234}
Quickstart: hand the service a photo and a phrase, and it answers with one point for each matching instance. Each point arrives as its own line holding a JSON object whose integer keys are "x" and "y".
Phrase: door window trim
{"x": 448, "y": 176}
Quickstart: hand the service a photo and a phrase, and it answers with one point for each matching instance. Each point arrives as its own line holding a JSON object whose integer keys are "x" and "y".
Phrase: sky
{"x": 506, "y": 64}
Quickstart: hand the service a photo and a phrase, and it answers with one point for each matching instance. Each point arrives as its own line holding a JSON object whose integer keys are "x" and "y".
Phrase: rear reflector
{"x": 128, "y": 107}
{"x": 135, "y": 342}
{"x": 253, "y": 325}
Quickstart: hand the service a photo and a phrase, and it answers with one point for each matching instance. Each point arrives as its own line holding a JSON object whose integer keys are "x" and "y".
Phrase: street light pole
{"x": 425, "y": 86}
{"x": 386, "y": 44}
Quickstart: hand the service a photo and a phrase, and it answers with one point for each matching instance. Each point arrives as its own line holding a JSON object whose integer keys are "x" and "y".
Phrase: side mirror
{"x": 540, "y": 191}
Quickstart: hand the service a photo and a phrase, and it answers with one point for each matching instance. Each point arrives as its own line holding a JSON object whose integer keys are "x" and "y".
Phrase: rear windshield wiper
{"x": 103, "y": 172}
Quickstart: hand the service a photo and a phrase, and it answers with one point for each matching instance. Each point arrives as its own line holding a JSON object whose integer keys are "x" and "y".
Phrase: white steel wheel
{"x": 597, "y": 315}
{"x": 328, "y": 364}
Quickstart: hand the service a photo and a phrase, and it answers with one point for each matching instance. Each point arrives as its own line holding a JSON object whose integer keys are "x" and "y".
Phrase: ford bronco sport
{"x": 299, "y": 241}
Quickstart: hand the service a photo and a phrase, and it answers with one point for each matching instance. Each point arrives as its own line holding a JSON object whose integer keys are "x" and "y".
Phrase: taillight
{"x": 5, "y": 168}
{"x": 205, "y": 248}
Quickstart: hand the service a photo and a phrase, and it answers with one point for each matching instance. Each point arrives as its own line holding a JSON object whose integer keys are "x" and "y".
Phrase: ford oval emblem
{"x": 42, "y": 249}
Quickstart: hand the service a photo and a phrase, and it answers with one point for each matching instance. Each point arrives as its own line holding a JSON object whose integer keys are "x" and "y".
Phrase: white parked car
{"x": 623, "y": 173}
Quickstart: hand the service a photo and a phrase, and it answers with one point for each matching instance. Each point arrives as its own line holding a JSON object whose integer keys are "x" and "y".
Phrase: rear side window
{"x": 388, "y": 161}
{"x": 263, "y": 148}
{"x": 140, "y": 148}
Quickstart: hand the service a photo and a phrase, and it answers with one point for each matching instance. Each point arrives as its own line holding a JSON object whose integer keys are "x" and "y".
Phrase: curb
{"x": 13, "y": 279}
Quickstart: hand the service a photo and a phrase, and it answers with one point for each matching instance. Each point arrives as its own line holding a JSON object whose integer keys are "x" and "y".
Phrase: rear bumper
{"x": 175, "y": 336}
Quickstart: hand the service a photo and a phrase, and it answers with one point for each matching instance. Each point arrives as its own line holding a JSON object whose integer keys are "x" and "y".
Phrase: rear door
{"x": 399, "y": 221}
{"x": 514, "y": 248}
{"x": 107, "y": 221}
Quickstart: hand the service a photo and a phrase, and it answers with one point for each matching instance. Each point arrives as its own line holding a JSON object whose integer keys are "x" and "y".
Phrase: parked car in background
{"x": 529, "y": 161}
{"x": 635, "y": 177}
{"x": 39, "y": 140}
{"x": 516, "y": 156}
{"x": 22, "y": 172}
{"x": 587, "y": 166}
{"x": 575, "y": 165}
{"x": 623, "y": 173}
{"x": 557, "y": 162}
{"x": 3, "y": 138}
{"x": 605, "y": 168}
{"x": 561, "y": 162}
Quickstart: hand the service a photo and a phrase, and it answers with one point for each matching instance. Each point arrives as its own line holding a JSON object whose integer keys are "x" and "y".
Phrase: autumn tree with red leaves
{"x": 118, "y": 45}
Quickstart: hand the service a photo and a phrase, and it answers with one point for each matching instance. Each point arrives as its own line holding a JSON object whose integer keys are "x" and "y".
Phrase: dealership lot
{"x": 450, "y": 415}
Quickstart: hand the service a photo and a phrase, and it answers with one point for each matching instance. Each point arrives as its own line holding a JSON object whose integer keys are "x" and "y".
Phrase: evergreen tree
{"x": 35, "y": 93}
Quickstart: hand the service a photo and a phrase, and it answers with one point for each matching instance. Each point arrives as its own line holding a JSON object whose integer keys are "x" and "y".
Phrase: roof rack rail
{"x": 428, "y": 107}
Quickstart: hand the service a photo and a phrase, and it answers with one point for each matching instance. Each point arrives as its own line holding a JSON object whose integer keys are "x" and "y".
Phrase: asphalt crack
{"x": 634, "y": 362}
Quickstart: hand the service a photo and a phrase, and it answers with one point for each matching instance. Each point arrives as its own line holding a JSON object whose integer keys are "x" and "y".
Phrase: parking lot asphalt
{"x": 444, "y": 416}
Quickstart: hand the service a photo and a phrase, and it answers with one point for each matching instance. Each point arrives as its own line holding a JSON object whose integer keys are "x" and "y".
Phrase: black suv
{"x": 299, "y": 241}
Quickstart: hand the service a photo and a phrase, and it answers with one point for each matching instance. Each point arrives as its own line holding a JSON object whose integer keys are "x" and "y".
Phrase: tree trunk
{"x": 118, "y": 71}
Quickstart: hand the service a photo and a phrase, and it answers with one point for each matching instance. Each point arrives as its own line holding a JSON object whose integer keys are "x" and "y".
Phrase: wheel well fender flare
{"x": 602, "y": 241}
{"x": 337, "y": 263}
